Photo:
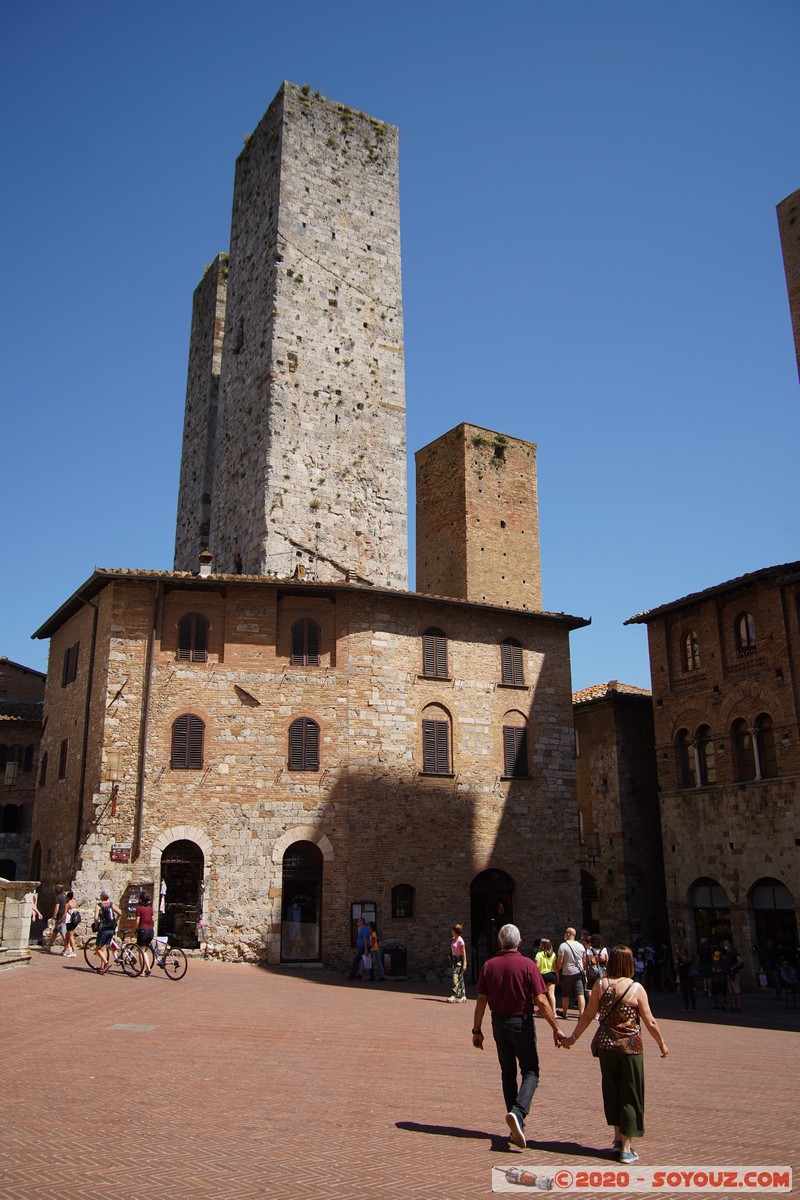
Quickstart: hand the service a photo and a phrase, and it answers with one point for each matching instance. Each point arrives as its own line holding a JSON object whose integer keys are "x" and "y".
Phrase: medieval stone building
{"x": 621, "y": 858}
{"x": 277, "y": 736}
{"x": 21, "y": 702}
{"x": 725, "y": 665}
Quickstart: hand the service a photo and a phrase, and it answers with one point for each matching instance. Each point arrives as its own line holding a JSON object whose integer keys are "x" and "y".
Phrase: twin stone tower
{"x": 294, "y": 442}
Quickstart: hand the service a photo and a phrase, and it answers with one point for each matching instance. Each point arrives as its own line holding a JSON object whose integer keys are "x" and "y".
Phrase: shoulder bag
{"x": 595, "y": 1047}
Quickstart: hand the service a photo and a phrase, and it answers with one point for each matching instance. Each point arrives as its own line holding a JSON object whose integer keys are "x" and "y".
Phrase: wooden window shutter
{"x": 196, "y": 729}
{"x": 180, "y": 729}
{"x": 42, "y": 770}
{"x": 305, "y": 643}
{"x": 27, "y": 762}
{"x": 511, "y": 653}
{"x": 62, "y": 759}
{"x": 192, "y": 638}
{"x": 515, "y": 751}
{"x": 434, "y": 654}
{"x": 435, "y": 747}
{"x": 304, "y": 745}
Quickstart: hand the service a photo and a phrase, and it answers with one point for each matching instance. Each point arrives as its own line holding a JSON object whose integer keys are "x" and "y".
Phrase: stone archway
{"x": 180, "y": 859}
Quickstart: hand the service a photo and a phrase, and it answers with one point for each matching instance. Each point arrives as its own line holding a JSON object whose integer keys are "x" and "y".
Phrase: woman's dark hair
{"x": 620, "y": 962}
{"x": 457, "y": 929}
{"x": 144, "y": 898}
{"x": 596, "y": 941}
{"x": 70, "y": 895}
{"x": 546, "y": 945}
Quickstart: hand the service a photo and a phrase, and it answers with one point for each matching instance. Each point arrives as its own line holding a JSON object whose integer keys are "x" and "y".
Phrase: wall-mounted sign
{"x": 121, "y": 852}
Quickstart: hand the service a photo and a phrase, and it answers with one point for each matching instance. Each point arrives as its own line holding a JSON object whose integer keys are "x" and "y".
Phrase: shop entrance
{"x": 301, "y": 904}
{"x": 491, "y": 906}
{"x": 181, "y": 895}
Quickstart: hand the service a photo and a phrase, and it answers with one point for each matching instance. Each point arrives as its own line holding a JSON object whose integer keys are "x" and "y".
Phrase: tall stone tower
{"x": 478, "y": 519}
{"x": 307, "y": 463}
{"x": 789, "y": 229}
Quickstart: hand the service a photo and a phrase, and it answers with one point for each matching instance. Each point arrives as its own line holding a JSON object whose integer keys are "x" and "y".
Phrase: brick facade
{"x": 724, "y": 665}
{"x": 478, "y": 518}
{"x": 377, "y": 818}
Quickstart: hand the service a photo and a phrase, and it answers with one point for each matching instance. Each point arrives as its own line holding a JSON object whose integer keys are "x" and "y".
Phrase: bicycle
{"x": 171, "y": 959}
{"x": 120, "y": 953}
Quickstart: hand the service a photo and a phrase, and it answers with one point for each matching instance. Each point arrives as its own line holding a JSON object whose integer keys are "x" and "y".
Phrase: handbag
{"x": 366, "y": 962}
{"x": 595, "y": 1046}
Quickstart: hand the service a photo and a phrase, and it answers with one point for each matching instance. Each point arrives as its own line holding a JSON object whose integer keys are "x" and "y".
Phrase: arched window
{"x": 434, "y": 654}
{"x": 304, "y": 745}
{"x": 691, "y": 652}
{"x": 684, "y": 754}
{"x": 305, "y": 643}
{"x": 765, "y": 747}
{"x": 705, "y": 756}
{"x": 403, "y": 901}
{"x": 192, "y": 638}
{"x": 435, "y": 741}
{"x": 744, "y": 630}
{"x": 511, "y": 663}
{"x": 744, "y": 762}
{"x": 188, "y": 732}
{"x": 515, "y": 746}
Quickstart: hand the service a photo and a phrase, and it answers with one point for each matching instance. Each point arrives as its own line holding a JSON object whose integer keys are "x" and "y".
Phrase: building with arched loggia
{"x": 725, "y": 667}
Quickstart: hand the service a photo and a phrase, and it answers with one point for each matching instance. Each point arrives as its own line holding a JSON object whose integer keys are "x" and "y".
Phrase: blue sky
{"x": 590, "y": 262}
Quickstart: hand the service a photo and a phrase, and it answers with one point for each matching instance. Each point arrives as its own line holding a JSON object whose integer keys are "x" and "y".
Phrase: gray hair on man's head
{"x": 509, "y": 937}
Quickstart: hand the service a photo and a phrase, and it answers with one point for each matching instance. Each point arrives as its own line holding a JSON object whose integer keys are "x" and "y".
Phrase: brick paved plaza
{"x": 241, "y": 1082}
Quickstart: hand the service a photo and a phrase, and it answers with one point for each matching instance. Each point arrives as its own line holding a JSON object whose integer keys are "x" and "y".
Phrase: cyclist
{"x": 106, "y": 915}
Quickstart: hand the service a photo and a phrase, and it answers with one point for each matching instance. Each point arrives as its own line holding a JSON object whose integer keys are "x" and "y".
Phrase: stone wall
{"x": 310, "y": 448}
{"x": 200, "y": 416}
{"x": 478, "y": 519}
{"x": 377, "y": 819}
{"x": 735, "y": 832}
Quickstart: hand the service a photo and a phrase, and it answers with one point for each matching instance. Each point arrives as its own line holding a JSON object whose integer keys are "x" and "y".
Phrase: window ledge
{"x": 516, "y": 687}
{"x": 515, "y": 778}
{"x": 436, "y": 774}
{"x": 436, "y": 678}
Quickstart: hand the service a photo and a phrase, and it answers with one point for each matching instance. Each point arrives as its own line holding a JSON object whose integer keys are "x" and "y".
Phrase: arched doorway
{"x": 182, "y": 866}
{"x": 491, "y": 898}
{"x": 712, "y": 916}
{"x": 775, "y": 921}
{"x": 301, "y": 903}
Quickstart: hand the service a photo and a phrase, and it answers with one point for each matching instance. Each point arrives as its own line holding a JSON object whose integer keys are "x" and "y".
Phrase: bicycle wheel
{"x": 130, "y": 957}
{"x": 93, "y": 959}
{"x": 174, "y": 962}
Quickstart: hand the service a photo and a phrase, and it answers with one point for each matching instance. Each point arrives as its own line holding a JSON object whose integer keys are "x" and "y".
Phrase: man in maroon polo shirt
{"x": 511, "y": 984}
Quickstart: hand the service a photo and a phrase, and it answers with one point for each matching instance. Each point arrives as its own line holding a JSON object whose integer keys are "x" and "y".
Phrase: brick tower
{"x": 478, "y": 519}
{"x": 307, "y": 460}
{"x": 789, "y": 229}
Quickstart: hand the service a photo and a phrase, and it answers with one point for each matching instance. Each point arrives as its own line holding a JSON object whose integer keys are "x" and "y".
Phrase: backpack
{"x": 595, "y": 967}
{"x": 73, "y": 918}
{"x": 106, "y": 918}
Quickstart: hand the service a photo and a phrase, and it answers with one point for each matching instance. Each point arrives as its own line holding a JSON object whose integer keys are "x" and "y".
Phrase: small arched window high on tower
{"x": 192, "y": 638}
{"x": 691, "y": 651}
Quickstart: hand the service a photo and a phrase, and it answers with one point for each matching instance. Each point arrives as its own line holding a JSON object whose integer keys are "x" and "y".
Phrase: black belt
{"x": 508, "y": 1016}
